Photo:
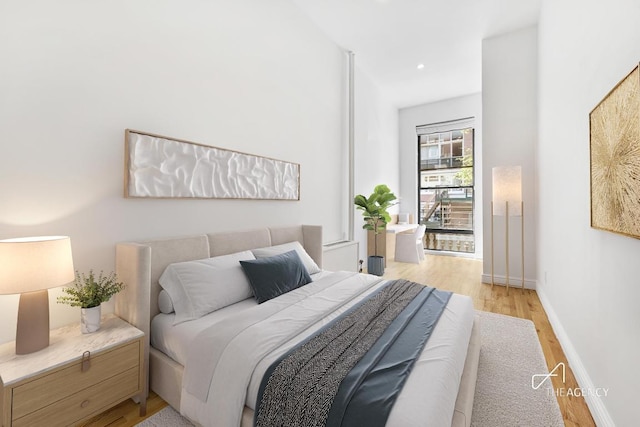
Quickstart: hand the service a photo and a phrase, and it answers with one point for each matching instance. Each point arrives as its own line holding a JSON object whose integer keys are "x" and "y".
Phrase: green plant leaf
{"x": 374, "y": 208}
{"x": 90, "y": 291}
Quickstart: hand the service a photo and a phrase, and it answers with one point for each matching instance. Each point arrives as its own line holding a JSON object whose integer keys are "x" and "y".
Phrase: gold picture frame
{"x": 614, "y": 128}
{"x": 161, "y": 167}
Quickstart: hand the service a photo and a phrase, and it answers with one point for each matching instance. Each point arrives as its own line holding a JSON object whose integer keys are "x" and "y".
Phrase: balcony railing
{"x": 443, "y": 163}
{"x": 449, "y": 242}
{"x": 449, "y": 211}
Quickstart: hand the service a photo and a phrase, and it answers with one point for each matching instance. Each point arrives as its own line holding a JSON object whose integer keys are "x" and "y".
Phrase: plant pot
{"x": 90, "y": 319}
{"x": 375, "y": 265}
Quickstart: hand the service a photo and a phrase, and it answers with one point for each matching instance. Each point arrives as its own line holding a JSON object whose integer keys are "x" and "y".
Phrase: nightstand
{"x": 77, "y": 377}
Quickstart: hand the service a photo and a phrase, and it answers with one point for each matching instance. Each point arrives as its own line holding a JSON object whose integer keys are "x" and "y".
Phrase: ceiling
{"x": 390, "y": 38}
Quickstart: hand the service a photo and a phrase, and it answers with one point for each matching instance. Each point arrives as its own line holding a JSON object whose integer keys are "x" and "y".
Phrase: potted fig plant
{"x": 88, "y": 292}
{"x": 374, "y": 210}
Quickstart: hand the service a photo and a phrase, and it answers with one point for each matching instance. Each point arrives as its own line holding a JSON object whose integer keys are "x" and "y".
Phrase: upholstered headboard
{"x": 140, "y": 264}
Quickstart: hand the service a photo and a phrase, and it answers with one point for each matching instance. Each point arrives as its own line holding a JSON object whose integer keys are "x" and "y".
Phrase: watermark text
{"x": 559, "y": 370}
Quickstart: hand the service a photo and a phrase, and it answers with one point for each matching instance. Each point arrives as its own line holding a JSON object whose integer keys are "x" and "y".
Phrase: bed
{"x": 451, "y": 354}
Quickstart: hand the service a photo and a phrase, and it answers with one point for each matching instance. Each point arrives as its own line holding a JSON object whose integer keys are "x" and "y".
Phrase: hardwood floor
{"x": 459, "y": 275}
{"x": 126, "y": 414}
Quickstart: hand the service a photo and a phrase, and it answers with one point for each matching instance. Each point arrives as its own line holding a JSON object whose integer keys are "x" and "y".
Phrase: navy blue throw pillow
{"x": 276, "y": 275}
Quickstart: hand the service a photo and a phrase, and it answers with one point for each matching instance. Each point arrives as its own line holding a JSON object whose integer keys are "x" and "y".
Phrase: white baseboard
{"x": 514, "y": 282}
{"x": 596, "y": 405}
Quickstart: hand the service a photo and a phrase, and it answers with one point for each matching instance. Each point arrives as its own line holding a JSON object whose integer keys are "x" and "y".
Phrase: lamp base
{"x": 32, "y": 333}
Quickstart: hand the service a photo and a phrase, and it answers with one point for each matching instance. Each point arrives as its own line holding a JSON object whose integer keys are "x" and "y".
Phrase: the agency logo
{"x": 537, "y": 380}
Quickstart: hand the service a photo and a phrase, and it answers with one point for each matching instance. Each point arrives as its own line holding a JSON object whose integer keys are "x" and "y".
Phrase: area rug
{"x": 505, "y": 395}
{"x": 166, "y": 417}
{"x": 509, "y": 358}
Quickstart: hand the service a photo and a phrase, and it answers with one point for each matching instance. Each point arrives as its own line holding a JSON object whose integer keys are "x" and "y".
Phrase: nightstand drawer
{"x": 85, "y": 403}
{"x": 51, "y": 388}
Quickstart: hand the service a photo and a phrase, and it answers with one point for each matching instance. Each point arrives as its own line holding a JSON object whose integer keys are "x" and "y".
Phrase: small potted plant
{"x": 88, "y": 292}
{"x": 374, "y": 210}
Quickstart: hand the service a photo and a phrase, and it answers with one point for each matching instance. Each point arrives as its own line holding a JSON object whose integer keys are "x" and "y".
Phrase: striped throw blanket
{"x": 350, "y": 372}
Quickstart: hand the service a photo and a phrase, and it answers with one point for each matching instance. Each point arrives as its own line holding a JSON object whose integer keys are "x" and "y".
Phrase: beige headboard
{"x": 140, "y": 264}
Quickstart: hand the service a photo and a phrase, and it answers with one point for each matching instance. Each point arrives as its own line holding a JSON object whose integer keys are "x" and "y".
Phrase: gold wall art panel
{"x": 161, "y": 167}
{"x": 615, "y": 159}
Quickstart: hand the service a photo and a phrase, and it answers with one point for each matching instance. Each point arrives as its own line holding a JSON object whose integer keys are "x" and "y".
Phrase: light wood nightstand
{"x": 77, "y": 377}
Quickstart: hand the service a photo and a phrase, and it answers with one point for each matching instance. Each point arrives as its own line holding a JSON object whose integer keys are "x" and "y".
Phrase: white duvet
{"x": 226, "y": 362}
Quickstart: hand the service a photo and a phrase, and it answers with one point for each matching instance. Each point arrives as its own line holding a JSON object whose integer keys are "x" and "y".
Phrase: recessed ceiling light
{"x": 420, "y": 66}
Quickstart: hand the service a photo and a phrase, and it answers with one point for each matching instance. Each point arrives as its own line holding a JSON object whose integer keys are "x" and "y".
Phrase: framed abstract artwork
{"x": 162, "y": 167}
{"x": 615, "y": 159}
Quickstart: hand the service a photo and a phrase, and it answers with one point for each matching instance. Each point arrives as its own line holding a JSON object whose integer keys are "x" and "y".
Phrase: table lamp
{"x": 29, "y": 267}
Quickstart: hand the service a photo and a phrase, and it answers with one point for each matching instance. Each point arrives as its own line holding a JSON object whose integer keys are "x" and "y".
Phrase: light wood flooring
{"x": 459, "y": 275}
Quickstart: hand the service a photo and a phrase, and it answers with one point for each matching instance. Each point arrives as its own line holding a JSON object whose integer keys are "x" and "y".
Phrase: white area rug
{"x": 509, "y": 356}
{"x": 167, "y": 417}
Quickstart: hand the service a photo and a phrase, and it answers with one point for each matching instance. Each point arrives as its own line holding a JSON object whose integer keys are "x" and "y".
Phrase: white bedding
{"x": 429, "y": 393}
{"x": 174, "y": 340}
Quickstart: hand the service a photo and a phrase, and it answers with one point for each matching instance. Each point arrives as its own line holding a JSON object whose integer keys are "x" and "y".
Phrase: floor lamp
{"x": 507, "y": 201}
{"x": 29, "y": 267}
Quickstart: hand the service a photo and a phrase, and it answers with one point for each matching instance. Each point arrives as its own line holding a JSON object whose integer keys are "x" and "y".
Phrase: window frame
{"x": 448, "y": 187}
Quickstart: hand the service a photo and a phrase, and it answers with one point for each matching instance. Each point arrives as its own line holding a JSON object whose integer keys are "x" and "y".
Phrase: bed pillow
{"x": 164, "y": 302}
{"x": 276, "y": 275}
{"x": 199, "y": 287}
{"x": 309, "y": 263}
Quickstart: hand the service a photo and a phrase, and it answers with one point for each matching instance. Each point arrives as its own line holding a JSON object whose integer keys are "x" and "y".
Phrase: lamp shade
{"x": 35, "y": 263}
{"x": 507, "y": 187}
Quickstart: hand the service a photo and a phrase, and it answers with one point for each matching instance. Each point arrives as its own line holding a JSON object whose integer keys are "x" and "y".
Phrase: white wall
{"x": 510, "y": 130}
{"x": 450, "y": 109}
{"x": 588, "y": 278}
{"x": 247, "y": 75}
{"x": 376, "y": 146}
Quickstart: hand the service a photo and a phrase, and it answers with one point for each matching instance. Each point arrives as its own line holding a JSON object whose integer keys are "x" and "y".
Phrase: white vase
{"x": 90, "y": 319}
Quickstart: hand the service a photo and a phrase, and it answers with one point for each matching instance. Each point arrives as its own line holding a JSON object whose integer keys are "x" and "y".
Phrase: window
{"x": 446, "y": 185}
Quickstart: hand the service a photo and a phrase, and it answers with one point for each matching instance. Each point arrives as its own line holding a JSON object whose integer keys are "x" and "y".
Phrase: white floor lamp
{"x": 507, "y": 201}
